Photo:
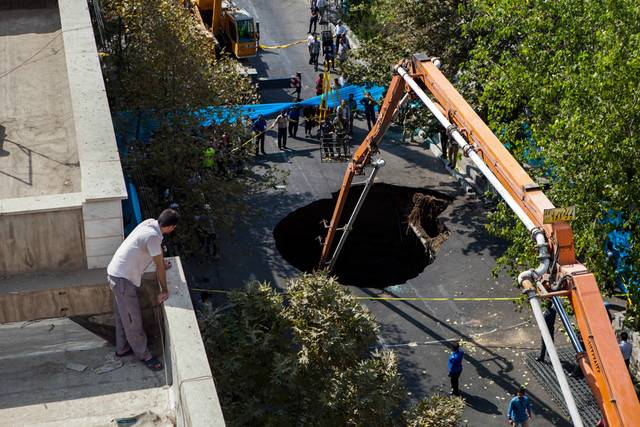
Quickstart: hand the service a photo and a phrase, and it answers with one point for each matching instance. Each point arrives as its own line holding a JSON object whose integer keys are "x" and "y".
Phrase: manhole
{"x": 395, "y": 236}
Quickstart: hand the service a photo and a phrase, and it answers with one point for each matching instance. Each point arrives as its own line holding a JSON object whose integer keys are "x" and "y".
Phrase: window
{"x": 245, "y": 30}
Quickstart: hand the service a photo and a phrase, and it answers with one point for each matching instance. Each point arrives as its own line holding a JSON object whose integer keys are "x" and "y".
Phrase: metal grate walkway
{"x": 543, "y": 372}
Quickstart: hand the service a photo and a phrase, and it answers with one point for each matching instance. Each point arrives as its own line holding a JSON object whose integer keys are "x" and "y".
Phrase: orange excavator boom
{"x": 602, "y": 360}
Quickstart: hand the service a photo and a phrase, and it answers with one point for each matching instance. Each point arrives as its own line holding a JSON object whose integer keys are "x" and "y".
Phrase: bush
{"x": 305, "y": 357}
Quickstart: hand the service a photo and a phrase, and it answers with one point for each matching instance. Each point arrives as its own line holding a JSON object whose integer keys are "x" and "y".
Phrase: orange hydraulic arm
{"x": 603, "y": 364}
{"x": 361, "y": 158}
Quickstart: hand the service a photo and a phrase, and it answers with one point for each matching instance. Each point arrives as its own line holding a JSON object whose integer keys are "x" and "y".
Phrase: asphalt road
{"x": 496, "y": 336}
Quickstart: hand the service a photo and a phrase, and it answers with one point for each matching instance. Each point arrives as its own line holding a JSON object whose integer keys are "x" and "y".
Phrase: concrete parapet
{"x": 196, "y": 399}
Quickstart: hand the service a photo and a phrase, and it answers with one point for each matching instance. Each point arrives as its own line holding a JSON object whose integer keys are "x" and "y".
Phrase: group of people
{"x": 287, "y": 123}
{"x": 331, "y": 47}
{"x": 519, "y": 411}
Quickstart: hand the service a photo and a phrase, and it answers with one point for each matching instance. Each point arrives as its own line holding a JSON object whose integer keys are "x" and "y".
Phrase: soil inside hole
{"x": 395, "y": 236}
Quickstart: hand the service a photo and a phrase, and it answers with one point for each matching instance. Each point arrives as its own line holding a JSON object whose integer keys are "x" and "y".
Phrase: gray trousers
{"x": 128, "y": 318}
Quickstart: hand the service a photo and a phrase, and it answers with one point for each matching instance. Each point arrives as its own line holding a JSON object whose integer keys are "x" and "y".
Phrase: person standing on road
{"x": 294, "y": 119}
{"x": 519, "y": 412}
{"x": 310, "y": 39}
{"x": 314, "y": 52}
{"x": 341, "y": 33}
{"x": 259, "y": 129}
{"x": 124, "y": 274}
{"x": 550, "y": 319}
{"x": 322, "y": 7}
{"x": 455, "y": 367}
{"x": 343, "y": 112}
{"x": 353, "y": 106}
{"x": 313, "y": 20}
{"x": 282, "y": 121}
{"x": 369, "y": 109}
{"x": 343, "y": 50}
{"x": 626, "y": 348}
{"x": 319, "y": 85}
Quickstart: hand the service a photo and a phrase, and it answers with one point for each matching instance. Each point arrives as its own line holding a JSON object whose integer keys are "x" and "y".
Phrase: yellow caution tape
{"x": 282, "y": 46}
{"x": 436, "y": 299}
{"x": 221, "y": 291}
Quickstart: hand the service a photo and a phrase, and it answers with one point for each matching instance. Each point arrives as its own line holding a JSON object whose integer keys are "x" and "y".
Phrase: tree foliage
{"x": 559, "y": 83}
{"x": 435, "y": 411}
{"x": 161, "y": 66}
{"x": 304, "y": 358}
{"x": 393, "y": 30}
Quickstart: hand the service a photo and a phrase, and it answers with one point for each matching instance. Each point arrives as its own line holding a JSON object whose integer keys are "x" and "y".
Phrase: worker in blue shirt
{"x": 294, "y": 118}
{"x": 259, "y": 129}
{"x": 455, "y": 367}
{"x": 519, "y": 412}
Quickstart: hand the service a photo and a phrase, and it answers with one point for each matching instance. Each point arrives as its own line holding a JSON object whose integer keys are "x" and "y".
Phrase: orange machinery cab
{"x": 241, "y": 33}
{"x": 233, "y": 27}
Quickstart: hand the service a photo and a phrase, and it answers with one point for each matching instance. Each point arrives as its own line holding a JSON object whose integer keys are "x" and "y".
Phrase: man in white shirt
{"x": 124, "y": 273}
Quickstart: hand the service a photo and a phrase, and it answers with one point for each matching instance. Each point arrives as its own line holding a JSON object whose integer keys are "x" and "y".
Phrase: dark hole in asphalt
{"x": 395, "y": 236}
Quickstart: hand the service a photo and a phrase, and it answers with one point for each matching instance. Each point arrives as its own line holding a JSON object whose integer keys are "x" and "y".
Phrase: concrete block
{"x": 102, "y": 246}
{"x": 102, "y": 210}
{"x": 199, "y": 398}
{"x": 103, "y": 228}
{"x": 44, "y": 203}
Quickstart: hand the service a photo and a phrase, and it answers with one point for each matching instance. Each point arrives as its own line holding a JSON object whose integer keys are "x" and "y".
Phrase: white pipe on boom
{"x": 537, "y": 234}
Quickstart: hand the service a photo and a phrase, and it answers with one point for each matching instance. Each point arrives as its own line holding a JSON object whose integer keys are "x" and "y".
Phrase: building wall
{"x": 41, "y": 241}
{"x": 103, "y": 231}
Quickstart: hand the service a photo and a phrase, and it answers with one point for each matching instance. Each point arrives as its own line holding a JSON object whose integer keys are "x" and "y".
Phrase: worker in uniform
{"x": 259, "y": 129}
{"x": 369, "y": 109}
{"x": 282, "y": 121}
{"x": 342, "y": 138}
{"x": 550, "y": 320}
{"x": 455, "y": 367}
{"x": 124, "y": 275}
{"x": 294, "y": 118}
{"x": 326, "y": 132}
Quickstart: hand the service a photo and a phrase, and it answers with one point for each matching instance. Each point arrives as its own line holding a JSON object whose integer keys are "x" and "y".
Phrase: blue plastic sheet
{"x": 141, "y": 126}
{"x": 131, "y": 212}
{"x": 618, "y": 247}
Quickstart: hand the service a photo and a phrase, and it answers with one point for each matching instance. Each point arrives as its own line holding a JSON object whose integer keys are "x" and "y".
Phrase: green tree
{"x": 435, "y": 411}
{"x": 558, "y": 83}
{"x": 393, "y": 30}
{"x": 304, "y": 357}
{"x": 161, "y": 66}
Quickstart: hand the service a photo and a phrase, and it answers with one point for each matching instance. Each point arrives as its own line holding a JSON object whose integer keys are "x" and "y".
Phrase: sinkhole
{"x": 395, "y": 236}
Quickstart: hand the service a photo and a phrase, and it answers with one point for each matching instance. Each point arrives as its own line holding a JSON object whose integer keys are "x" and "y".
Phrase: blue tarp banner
{"x": 130, "y": 126}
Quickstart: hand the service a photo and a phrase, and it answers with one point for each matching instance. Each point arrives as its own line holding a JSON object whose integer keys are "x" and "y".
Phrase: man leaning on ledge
{"x": 124, "y": 273}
